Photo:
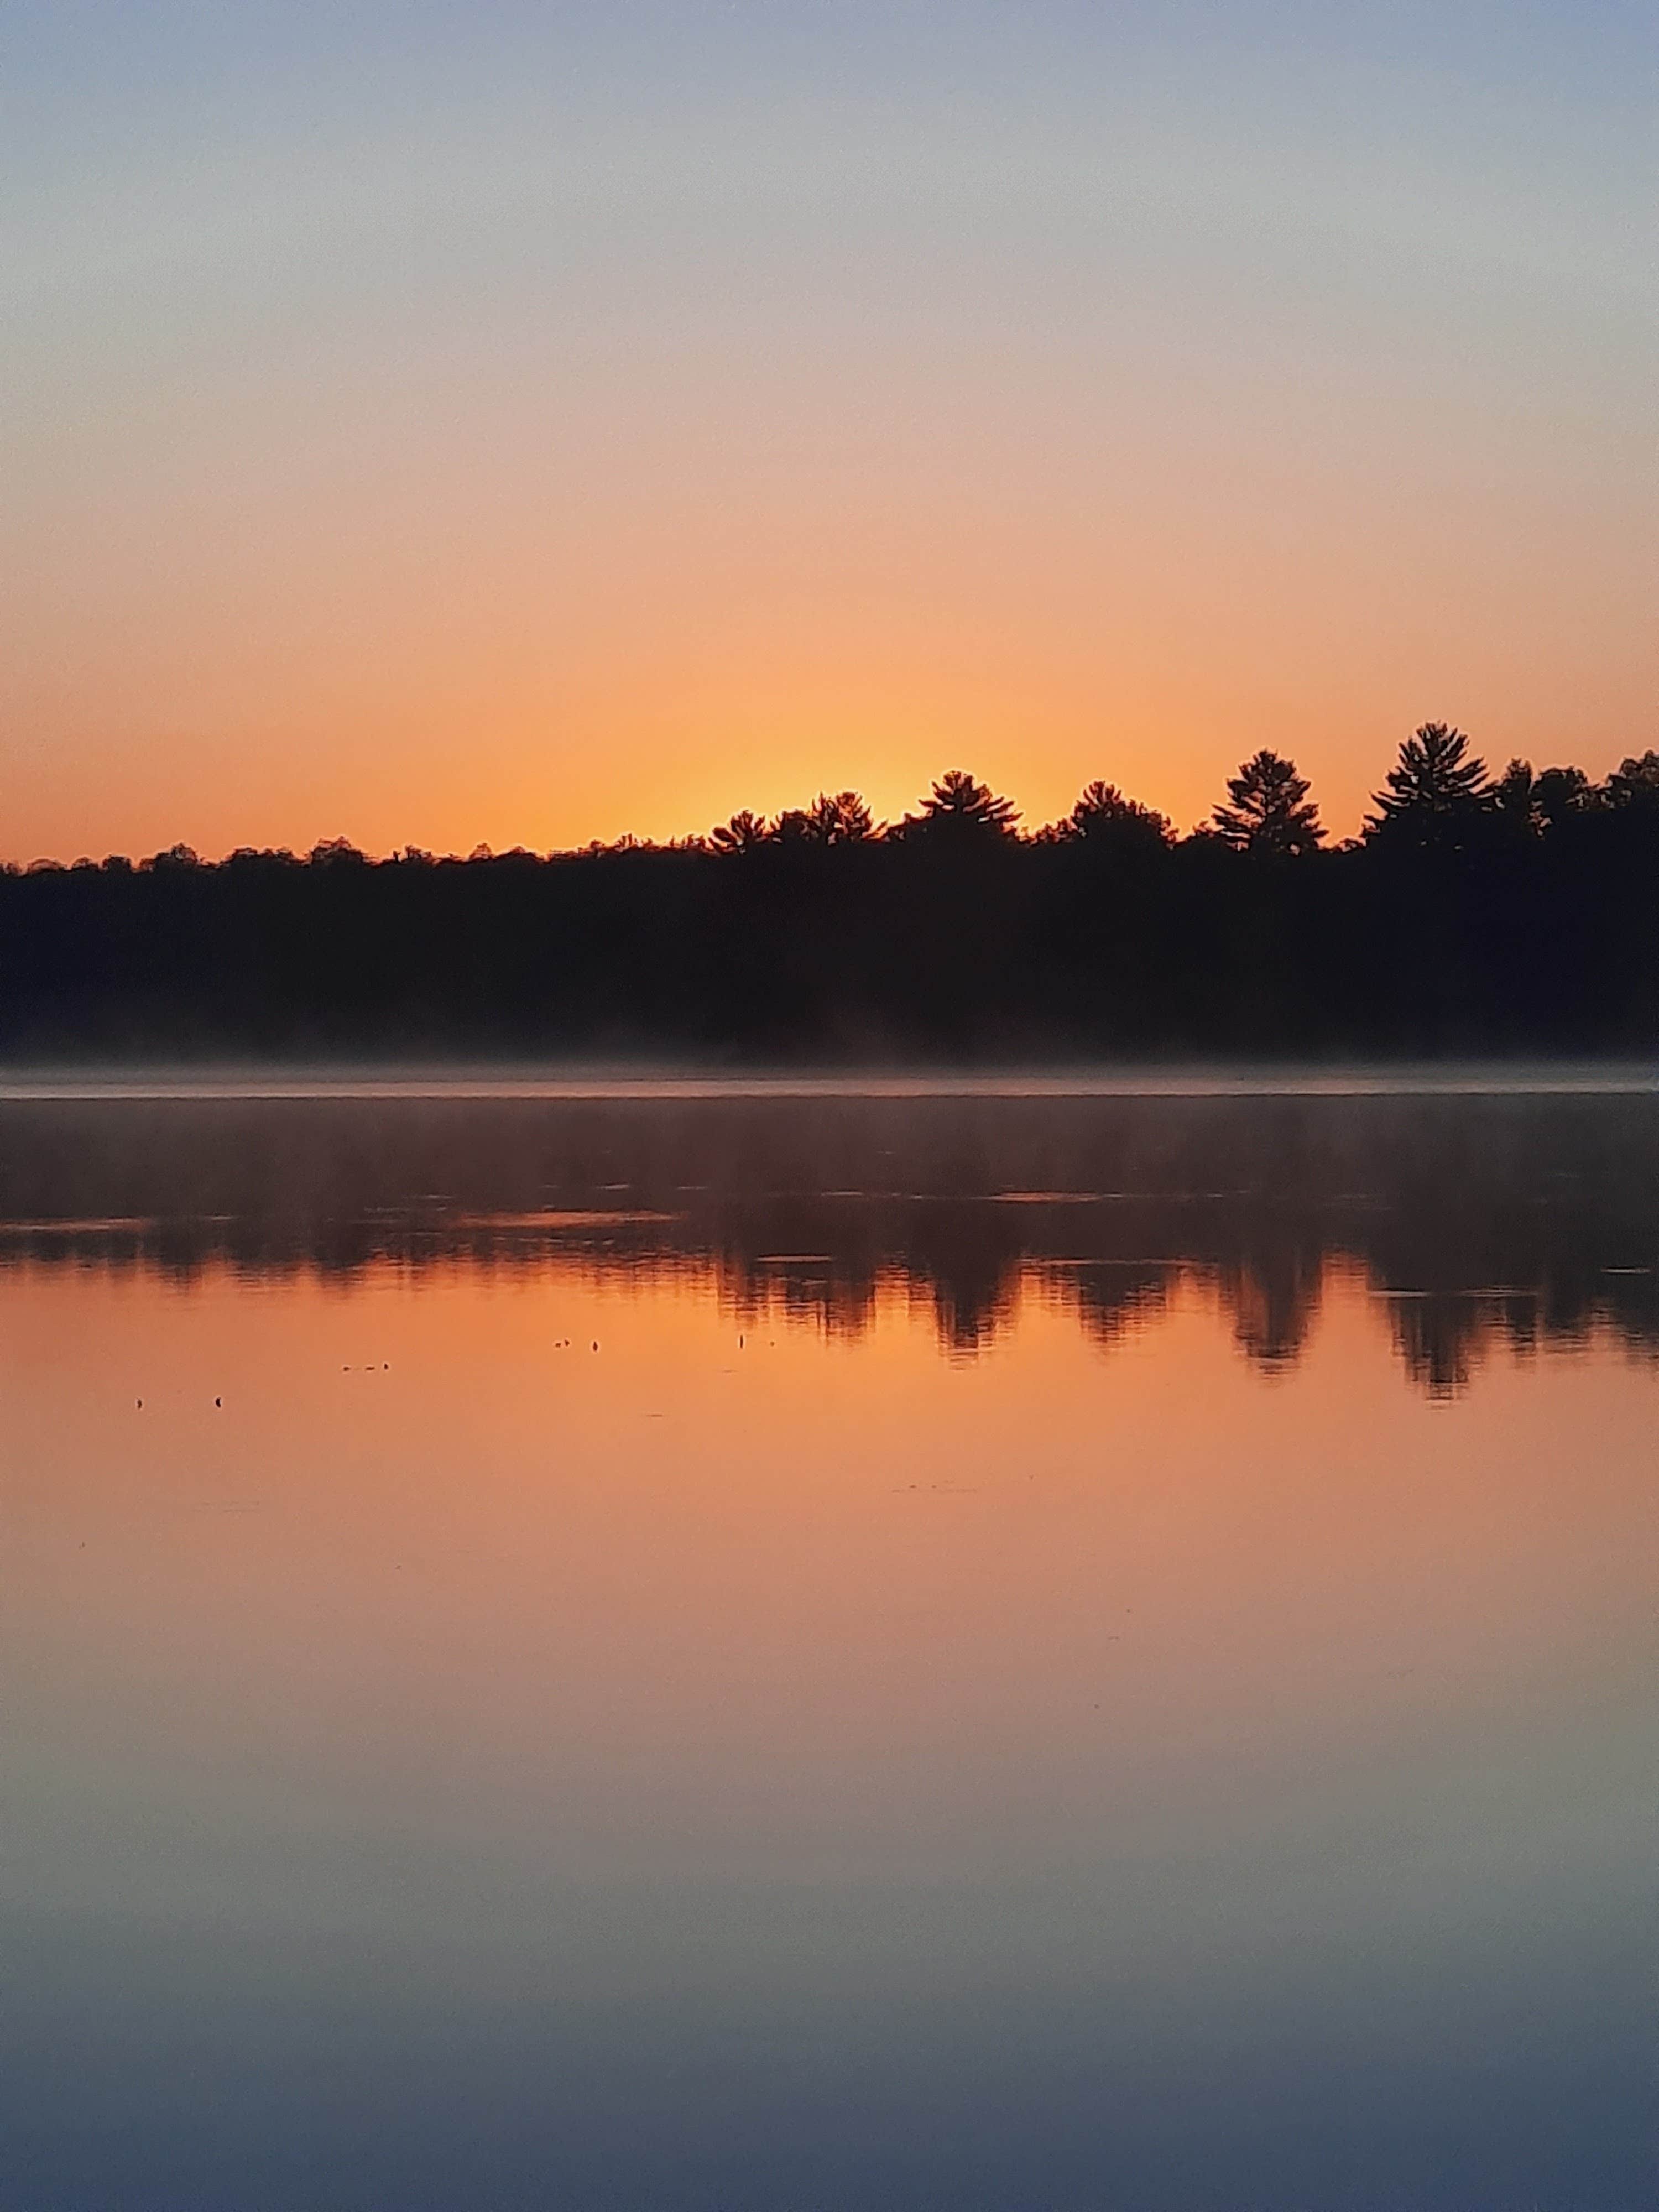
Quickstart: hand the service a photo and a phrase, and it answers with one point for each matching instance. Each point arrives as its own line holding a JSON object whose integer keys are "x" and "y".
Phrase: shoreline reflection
{"x": 971, "y": 1280}
{"x": 1480, "y": 1224}
{"x": 616, "y": 1659}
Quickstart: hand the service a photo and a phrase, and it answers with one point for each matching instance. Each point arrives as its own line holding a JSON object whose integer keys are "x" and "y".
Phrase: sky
{"x": 436, "y": 424}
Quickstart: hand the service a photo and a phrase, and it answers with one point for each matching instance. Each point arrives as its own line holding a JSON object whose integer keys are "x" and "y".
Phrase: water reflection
{"x": 529, "y": 1679}
{"x": 1480, "y": 1224}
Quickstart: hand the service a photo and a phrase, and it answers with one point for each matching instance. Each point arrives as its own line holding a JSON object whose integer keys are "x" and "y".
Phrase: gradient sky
{"x": 438, "y": 423}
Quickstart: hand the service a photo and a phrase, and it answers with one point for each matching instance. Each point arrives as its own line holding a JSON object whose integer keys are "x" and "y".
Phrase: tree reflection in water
{"x": 1480, "y": 1222}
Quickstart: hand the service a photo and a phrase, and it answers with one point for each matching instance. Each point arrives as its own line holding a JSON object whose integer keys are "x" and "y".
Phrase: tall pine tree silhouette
{"x": 1270, "y": 812}
{"x": 1434, "y": 789}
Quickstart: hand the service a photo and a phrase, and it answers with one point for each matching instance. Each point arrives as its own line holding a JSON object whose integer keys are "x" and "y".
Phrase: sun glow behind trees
{"x": 1474, "y": 916}
{"x": 570, "y": 421}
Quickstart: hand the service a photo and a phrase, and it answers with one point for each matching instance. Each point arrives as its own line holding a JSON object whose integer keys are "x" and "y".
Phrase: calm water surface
{"x": 829, "y": 1652}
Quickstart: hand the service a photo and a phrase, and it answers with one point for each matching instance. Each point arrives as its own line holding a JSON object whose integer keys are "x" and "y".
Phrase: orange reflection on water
{"x": 739, "y": 1596}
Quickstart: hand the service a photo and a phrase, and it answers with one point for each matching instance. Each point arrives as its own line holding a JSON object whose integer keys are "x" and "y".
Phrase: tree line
{"x": 1474, "y": 912}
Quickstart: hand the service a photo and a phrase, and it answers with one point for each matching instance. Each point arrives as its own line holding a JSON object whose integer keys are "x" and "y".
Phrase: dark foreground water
{"x": 769, "y": 1652}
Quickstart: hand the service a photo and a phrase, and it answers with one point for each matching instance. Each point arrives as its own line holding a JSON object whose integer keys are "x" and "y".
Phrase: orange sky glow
{"x": 596, "y": 435}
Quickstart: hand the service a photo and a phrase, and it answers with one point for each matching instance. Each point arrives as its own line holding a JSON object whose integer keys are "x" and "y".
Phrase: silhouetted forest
{"x": 1480, "y": 1223}
{"x": 1476, "y": 913}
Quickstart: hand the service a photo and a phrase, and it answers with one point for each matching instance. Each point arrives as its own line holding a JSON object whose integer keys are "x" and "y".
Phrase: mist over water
{"x": 1479, "y": 1214}
{"x": 908, "y": 1649}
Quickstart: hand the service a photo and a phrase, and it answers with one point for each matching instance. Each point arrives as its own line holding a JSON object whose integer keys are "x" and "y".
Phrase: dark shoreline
{"x": 1476, "y": 935}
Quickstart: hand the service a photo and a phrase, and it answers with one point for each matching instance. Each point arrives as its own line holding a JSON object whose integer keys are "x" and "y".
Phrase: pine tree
{"x": 1103, "y": 816}
{"x": 841, "y": 817}
{"x": 1435, "y": 787}
{"x": 741, "y": 834}
{"x": 960, "y": 806}
{"x": 1270, "y": 812}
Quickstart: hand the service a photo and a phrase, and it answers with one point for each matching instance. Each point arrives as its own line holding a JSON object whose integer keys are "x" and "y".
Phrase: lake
{"x": 829, "y": 1647}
